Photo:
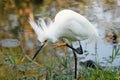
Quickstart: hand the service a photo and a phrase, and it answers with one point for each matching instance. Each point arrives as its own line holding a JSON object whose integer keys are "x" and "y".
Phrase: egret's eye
{"x": 45, "y": 41}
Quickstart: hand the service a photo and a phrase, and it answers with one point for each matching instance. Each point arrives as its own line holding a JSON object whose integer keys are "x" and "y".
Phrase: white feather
{"x": 68, "y": 24}
{"x": 36, "y": 27}
{"x": 42, "y": 23}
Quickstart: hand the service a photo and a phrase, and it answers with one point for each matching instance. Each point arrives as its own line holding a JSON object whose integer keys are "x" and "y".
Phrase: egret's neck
{"x": 52, "y": 33}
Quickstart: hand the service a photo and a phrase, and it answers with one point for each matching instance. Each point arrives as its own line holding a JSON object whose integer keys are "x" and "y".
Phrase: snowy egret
{"x": 68, "y": 25}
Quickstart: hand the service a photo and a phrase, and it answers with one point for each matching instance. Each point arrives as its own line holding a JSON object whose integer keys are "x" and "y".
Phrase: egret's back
{"x": 74, "y": 26}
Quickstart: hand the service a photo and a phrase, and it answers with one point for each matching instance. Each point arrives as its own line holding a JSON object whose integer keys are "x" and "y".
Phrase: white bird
{"x": 67, "y": 24}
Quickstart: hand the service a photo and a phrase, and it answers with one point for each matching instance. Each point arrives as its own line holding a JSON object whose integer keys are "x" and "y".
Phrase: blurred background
{"x": 18, "y": 41}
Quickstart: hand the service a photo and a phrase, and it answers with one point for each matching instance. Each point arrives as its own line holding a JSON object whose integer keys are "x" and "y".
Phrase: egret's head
{"x": 41, "y": 28}
{"x": 51, "y": 38}
{"x": 41, "y": 37}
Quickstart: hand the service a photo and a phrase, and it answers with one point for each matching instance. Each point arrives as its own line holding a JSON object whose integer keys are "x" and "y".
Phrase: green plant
{"x": 115, "y": 52}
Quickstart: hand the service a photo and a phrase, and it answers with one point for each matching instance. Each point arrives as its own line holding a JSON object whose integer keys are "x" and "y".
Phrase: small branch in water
{"x": 31, "y": 60}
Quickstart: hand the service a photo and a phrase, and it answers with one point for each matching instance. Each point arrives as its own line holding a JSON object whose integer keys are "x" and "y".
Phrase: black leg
{"x": 73, "y": 48}
{"x": 79, "y": 49}
{"x": 75, "y": 58}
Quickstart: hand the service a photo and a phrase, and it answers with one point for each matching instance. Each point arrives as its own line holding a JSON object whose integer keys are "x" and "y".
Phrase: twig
{"x": 31, "y": 60}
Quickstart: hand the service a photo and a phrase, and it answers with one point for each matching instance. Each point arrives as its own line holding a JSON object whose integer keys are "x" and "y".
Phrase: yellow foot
{"x": 60, "y": 45}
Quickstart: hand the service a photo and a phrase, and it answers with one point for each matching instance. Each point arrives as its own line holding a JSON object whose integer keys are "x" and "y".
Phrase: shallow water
{"x": 102, "y": 17}
{"x": 101, "y": 54}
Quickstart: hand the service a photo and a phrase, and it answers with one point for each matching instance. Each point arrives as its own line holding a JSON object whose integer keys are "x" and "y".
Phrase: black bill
{"x": 39, "y": 49}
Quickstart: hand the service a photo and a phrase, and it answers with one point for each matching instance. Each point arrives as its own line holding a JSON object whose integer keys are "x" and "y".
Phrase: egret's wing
{"x": 36, "y": 27}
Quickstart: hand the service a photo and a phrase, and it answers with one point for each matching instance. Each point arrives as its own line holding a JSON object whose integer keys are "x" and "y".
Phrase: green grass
{"x": 15, "y": 65}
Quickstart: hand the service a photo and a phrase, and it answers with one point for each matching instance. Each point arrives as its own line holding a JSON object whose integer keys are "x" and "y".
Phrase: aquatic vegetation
{"x": 15, "y": 62}
{"x": 15, "y": 65}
